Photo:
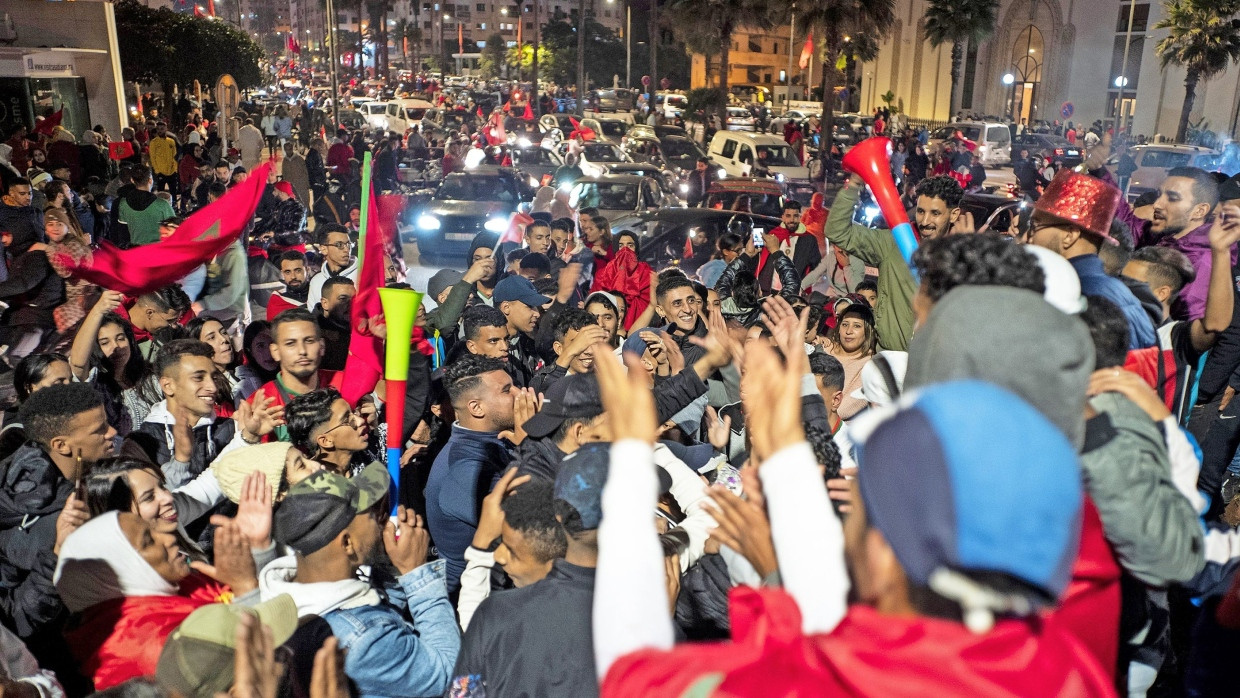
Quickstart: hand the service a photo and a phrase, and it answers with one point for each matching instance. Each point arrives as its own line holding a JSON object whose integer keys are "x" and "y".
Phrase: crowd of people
{"x": 793, "y": 462}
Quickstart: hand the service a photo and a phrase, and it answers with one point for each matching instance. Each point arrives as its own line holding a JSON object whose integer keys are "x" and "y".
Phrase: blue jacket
{"x": 1095, "y": 282}
{"x": 463, "y": 473}
{"x": 389, "y": 656}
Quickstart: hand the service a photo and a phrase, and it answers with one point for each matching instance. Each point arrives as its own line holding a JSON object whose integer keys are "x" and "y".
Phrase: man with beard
{"x": 292, "y": 265}
{"x": 333, "y": 317}
{"x": 937, "y": 214}
{"x": 334, "y": 525}
{"x": 297, "y": 346}
{"x": 1181, "y": 221}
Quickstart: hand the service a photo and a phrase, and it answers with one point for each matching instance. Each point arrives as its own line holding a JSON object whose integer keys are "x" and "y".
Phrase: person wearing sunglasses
{"x": 337, "y": 248}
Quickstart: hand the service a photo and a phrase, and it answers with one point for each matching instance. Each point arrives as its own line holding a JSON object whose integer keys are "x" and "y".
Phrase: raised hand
{"x": 259, "y": 418}
{"x": 744, "y": 527}
{"x": 254, "y": 510}
{"x": 627, "y": 398}
{"x": 408, "y": 550}
{"x": 327, "y": 680}
{"x": 71, "y": 517}
{"x": 586, "y": 338}
{"x": 1225, "y": 232}
{"x": 108, "y": 301}
{"x": 1131, "y": 386}
{"x": 719, "y": 345}
{"x": 491, "y": 520}
{"x": 1097, "y": 157}
{"x": 773, "y": 398}
{"x": 525, "y": 404}
{"x": 234, "y": 565}
{"x": 255, "y": 673}
{"x": 840, "y": 489}
{"x": 479, "y": 270}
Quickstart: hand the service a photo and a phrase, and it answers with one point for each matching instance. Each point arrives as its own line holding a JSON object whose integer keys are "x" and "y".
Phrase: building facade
{"x": 1065, "y": 60}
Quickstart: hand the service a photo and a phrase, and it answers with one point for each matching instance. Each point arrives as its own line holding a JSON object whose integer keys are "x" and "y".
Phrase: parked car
{"x": 666, "y": 179}
{"x": 776, "y": 124}
{"x": 1154, "y": 161}
{"x": 739, "y": 119}
{"x": 537, "y": 163}
{"x": 993, "y": 139}
{"x": 611, "y": 100}
{"x": 465, "y": 204}
{"x": 1049, "y": 146}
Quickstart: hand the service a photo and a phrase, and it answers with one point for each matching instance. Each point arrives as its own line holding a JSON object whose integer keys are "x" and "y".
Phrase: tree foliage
{"x": 494, "y": 56}
{"x": 1204, "y": 38}
{"x": 604, "y": 53}
{"x": 960, "y": 23}
{"x": 169, "y": 48}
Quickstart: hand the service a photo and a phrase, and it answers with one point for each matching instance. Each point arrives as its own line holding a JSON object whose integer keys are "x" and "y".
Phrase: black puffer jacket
{"x": 789, "y": 280}
{"x": 702, "y": 606}
{"x": 32, "y": 493}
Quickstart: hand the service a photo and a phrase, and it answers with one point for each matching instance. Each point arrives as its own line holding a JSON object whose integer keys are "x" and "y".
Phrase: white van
{"x": 737, "y": 152}
{"x": 993, "y": 139}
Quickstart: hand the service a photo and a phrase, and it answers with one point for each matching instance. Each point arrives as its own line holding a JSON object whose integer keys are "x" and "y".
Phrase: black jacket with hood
{"x": 33, "y": 288}
{"x": 153, "y": 441}
{"x": 32, "y": 493}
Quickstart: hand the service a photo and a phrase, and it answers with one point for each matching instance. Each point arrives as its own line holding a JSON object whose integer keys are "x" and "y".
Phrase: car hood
{"x": 468, "y": 208}
{"x": 791, "y": 172}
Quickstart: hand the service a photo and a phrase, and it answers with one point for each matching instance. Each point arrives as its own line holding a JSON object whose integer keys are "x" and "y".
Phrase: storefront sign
{"x": 52, "y": 63}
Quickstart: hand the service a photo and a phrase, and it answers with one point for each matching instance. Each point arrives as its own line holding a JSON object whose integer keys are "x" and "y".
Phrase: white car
{"x": 777, "y": 123}
{"x": 595, "y": 155}
{"x": 1154, "y": 161}
{"x": 384, "y": 116}
{"x": 739, "y": 119}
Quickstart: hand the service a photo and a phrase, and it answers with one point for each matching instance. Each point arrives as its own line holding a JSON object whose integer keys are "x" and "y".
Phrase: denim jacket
{"x": 390, "y": 656}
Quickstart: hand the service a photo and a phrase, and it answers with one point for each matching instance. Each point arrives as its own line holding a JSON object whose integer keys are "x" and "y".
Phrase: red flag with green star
{"x": 202, "y": 236}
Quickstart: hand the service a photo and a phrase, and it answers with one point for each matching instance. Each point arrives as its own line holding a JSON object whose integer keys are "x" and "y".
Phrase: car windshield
{"x": 414, "y": 113}
{"x": 602, "y": 152}
{"x": 680, "y": 148}
{"x": 613, "y": 129}
{"x": 970, "y": 132}
{"x": 1166, "y": 159}
{"x": 1054, "y": 141}
{"x": 470, "y": 187}
{"x": 531, "y": 156}
{"x": 611, "y": 196}
{"x": 777, "y": 155}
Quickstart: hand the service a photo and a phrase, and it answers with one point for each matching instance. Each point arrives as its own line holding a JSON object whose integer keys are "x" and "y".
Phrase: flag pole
{"x": 365, "y": 219}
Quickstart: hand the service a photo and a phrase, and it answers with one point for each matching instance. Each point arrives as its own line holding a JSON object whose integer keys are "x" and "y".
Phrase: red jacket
{"x": 338, "y": 159}
{"x": 1072, "y": 652}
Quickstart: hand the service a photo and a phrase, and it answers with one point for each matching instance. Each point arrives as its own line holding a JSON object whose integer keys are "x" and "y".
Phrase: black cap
{"x": 571, "y": 396}
{"x": 1229, "y": 190}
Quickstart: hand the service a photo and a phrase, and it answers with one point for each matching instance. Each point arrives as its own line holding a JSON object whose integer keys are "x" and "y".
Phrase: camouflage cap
{"x": 198, "y": 658}
{"x": 318, "y": 508}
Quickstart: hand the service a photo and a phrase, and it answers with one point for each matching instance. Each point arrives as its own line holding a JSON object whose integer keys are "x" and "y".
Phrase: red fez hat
{"x": 1084, "y": 201}
{"x": 286, "y": 188}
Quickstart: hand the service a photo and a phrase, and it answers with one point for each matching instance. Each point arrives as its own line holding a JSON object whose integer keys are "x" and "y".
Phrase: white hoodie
{"x": 314, "y": 599}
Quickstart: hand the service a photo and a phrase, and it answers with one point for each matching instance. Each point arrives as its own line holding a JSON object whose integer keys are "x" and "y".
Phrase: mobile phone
{"x": 758, "y": 241}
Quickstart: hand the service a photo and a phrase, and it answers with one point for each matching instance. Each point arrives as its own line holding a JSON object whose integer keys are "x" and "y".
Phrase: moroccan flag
{"x": 529, "y": 113}
{"x": 202, "y": 236}
{"x": 364, "y": 367}
{"x": 516, "y": 227}
{"x": 460, "y": 38}
{"x": 119, "y": 150}
{"x": 520, "y": 46}
{"x": 49, "y": 124}
{"x": 807, "y": 52}
{"x": 211, "y": 7}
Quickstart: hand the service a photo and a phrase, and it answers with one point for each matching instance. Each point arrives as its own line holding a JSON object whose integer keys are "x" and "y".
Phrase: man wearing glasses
{"x": 338, "y": 260}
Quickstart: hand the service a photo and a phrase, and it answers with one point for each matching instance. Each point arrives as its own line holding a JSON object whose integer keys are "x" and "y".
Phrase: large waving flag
{"x": 201, "y": 237}
{"x": 364, "y": 367}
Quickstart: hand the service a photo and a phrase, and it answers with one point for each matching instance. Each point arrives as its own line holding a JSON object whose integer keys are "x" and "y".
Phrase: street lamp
{"x": 1121, "y": 81}
{"x": 1010, "y": 81}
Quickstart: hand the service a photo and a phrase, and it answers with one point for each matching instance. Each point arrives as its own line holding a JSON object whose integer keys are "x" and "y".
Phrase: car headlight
{"x": 684, "y": 189}
{"x": 523, "y": 142}
{"x": 722, "y": 173}
{"x": 533, "y": 182}
{"x": 428, "y": 222}
{"x": 779, "y": 177}
{"x": 496, "y": 224}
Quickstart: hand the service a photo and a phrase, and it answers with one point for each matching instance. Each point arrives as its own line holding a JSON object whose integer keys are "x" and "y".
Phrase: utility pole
{"x": 792, "y": 37}
{"x": 653, "y": 28}
{"x": 537, "y": 40}
{"x": 333, "y": 60}
{"x": 581, "y": 58}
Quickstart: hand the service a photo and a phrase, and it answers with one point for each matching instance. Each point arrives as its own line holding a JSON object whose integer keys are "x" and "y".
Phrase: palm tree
{"x": 961, "y": 22}
{"x": 1203, "y": 40}
{"x": 405, "y": 32}
{"x": 837, "y": 21}
{"x": 724, "y": 18}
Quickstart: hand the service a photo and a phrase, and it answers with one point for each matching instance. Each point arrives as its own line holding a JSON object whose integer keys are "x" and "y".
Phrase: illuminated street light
{"x": 1121, "y": 81}
{"x": 1008, "y": 79}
